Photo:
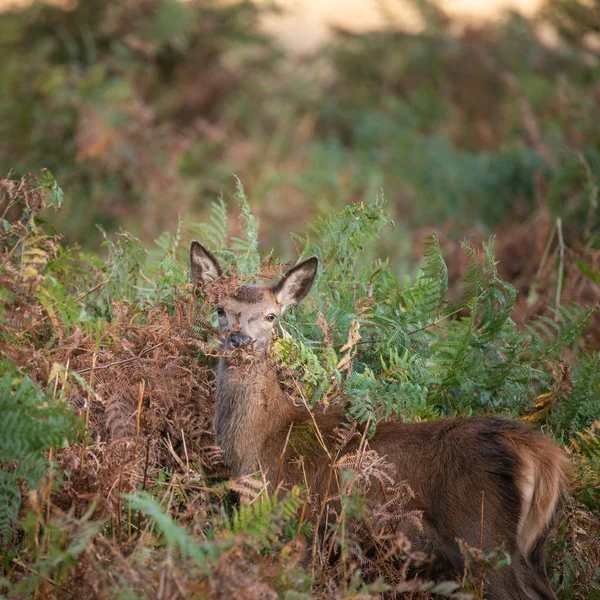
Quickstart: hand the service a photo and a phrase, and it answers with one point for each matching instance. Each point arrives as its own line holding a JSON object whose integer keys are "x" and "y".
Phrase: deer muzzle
{"x": 240, "y": 341}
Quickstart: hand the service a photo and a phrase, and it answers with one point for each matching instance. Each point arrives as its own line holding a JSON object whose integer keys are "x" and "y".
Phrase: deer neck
{"x": 250, "y": 409}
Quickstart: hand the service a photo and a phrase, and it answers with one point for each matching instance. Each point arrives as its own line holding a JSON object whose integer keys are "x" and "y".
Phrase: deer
{"x": 448, "y": 463}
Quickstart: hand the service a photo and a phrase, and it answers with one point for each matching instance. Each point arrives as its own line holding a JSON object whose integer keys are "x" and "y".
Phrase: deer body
{"x": 447, "y": 463}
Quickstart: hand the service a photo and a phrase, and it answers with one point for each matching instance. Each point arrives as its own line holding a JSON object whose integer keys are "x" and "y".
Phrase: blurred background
{"x": 472, "y": 117}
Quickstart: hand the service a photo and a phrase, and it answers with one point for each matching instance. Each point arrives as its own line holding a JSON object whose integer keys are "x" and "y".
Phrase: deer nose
{"x": 240, "y": 341}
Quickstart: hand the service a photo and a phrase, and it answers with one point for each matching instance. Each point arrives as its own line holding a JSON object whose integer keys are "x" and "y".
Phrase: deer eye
{"x": 220, "y": 311}
{"x": 271, "y": 317}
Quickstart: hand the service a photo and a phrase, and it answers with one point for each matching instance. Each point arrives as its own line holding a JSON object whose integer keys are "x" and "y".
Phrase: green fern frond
{"x": 215, "y": 233}
{"x": 298, "y": 356}
{"x": 46, "y": 299}
{"x": 32, "y": 423}
{"x": 248, "y": 261}
{"x": 175, "y": 536}
{"x": 342, "y": 238}
{"x": 581, "y": 408}
{"x": 393, "y": 330}
{"x": 429, "y": 295}
{"x": 495, "y": 305}
{"x": 372, "y": 398}
{"x": 260, "y": 522}
{"x": 479, "y": 270}
{"x": 586, "y": 447}
{"x": 126, "y": 260}
{"x": 550, "y": 336}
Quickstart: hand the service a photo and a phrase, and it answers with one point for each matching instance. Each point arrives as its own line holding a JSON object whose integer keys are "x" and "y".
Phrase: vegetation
{"x": 109, "y": 482}
{"x": 114, "y": 359}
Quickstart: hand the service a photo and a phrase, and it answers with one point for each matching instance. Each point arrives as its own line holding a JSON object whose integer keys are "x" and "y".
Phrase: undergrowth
{"x": 110, "y": 479}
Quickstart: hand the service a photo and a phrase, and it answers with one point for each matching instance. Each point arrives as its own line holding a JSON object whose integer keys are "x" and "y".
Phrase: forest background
{"x": 123, "y": 120}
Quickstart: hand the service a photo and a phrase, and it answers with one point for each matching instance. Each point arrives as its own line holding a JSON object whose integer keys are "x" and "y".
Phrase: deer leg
{"x": 504, "y": 586}
{"x": 538, "y": 584}
{"x": 508, "y": 583}
{"x": 536, "y": 565}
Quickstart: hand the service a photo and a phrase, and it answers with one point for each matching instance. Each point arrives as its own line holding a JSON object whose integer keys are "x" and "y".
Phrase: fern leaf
{"x": 32, "y": 423}
{"x": 260, "y": 522}
{"x": 248, "y": 262}
{"x": 549, "y": 336}
{"x": 431, "y": 289}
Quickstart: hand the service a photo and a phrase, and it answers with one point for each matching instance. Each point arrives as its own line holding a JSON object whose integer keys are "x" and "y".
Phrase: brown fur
{"x": 447, "y": 463}
{"x": 252, "y": 294}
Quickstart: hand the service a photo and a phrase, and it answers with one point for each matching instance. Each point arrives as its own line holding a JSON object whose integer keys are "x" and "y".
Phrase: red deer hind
{"x": 447, "y": 463}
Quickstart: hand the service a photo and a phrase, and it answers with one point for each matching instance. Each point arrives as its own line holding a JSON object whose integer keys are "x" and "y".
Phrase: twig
{"x": 301, "y": 519}
{"x": 561, "y": 261}
{"x": 442, "y": 318}
{"x": 139, "y": 522}
{"x": 593, "y": 196}
{"x": 139, "y": 411}
{"x": 129, "y": 521}
{"x": 87, "y": 414}
{"x": 363, "y": 443}
{"x": 47, "y": 501}
{"x": 372, "y": 341}
{"x": 169, "y": 445}
{"x": 545, "y": 254}
{"x": 94, "y": 289}
{"x": 187, "y": 458}
{"x": 318, "y": 433}
{"x": 320, "y": 517}
{"x": 282, "y": 457}
{"x": 126, "y": 360}
{"x": 121, "y": 467}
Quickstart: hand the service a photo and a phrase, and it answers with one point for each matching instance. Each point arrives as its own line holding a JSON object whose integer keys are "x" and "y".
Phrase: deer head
{"x": 247, "y": 317}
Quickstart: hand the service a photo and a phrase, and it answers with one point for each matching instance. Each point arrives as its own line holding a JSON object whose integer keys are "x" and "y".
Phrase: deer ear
{"x": 296, "y": 283}
{"x": 205, "y": 267}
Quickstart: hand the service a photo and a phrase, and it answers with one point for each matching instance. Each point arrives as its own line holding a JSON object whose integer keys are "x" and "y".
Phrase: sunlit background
{"x": 306, "y": 24}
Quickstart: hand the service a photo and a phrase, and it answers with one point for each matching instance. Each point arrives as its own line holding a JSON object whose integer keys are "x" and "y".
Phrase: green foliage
{"x": 246, "y": 247}
{"x": 415, "y": 355}
{"x": 261, "y": 521}
{"x": 257, "y": 525}
{"x": 481, "y": 356}
{"x": 431, "y": 289}
{"x": 299, "y": 357}
{"x": 215, "y": 231}
{"x": 344, "y": 237}
{"x": 550, "y": 336}
{"x": 126, "y": 259}
{"x": 587, "y": 446}
{"x": 384, "y": 349}
{"x": 579, "y": 409}
{"x": 32, "y": 423}
{"x": 175, "y": 537}
{"x": 164, "y": 271}
{"x": 65, "y": 540}
{"x": 385, "y": 401}
{"x": 54, "y": 194}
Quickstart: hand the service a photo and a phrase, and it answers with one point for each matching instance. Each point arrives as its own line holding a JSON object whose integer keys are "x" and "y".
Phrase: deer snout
{"x": 239, "y": 341}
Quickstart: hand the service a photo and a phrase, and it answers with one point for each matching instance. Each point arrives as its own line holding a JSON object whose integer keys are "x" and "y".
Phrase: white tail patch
{"x": 527, "y": 531}
{"x": 542, "y": 481}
